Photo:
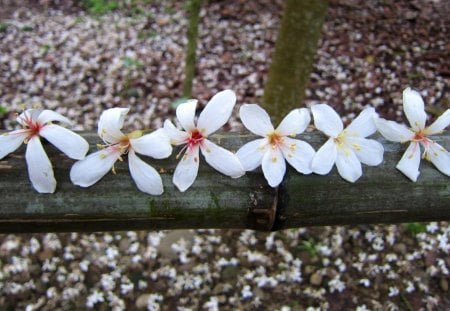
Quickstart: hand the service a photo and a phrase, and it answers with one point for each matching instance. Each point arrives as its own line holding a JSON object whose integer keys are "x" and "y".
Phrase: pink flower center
{"x": 195, "y": 138}
{"x": 33, "y": 127}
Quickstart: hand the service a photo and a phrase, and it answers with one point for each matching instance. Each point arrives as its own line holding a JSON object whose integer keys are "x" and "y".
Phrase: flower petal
{"x": 40, "y": 169}
{"x": 440, "y": 124}
{"x": 414, "y": 109}
{"x": 47, "y": 116}
{"x": 29, "y": 115}
{"x": 364, "y": 124}
{"x": 255, "y": 119}
{"x": 9, "y": 142}
{"x": 91, "y": 169}
{"x": 217, "y": 112}
{"x": 325, "y": 158}
{"x": 393, "y": 131}
{"x": 327, "y": 120}
{"x": 110, "y": 125}
{"x": 299, "y": 154}
{"x": 295, "y": 122}
{"x": 73, "y": 145}
{"x": 439, "y": 157}
{"x": 176, "y": 136}
{"x": 368, "y": 151}
{"x": 250, "y": 155}
{"x": 146, "y": 177}
{"x": 273, "y": 166}
{"x": 221, "y": 159}
{"x": 155, "y": 145}
{"x": 348, "y": 165}
{"x": 409, "y": 163}
{"x": 187, "y": 169}
{"x": 186, "y": 114}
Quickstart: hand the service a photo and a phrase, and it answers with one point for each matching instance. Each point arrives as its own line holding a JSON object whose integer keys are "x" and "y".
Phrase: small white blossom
{"x": 87, "y": 172}
{"x": 38, "y": 123}
{"x": 336, "y": 285}
{"x": 347, "y": 148}
{"x": 94, "y": 298}
{"x": 276, "y": 147}
{"x": 432, "y": 227}
{"x": 417, "y": 135}
{"x": 364, "y": 282}
{"x": 393, "y": 291}
{"x": 212, "y": 304}
{"x": 195, "y": 138}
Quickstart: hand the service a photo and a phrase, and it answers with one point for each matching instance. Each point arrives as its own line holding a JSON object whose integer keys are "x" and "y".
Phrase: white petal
{"x": 295, "y": 122}
{"x": 222, "y": 160}
{"x": 364, "y": 124}
{"x": 217, "y": 112}
{"x": 47, "y": 116}
{"x": 440, "y": 124}
{"x": 255, "y": 119}
{"x": 250, "y": 155}
{"x": 155, "y": 145}
{"x": 146, "y": 177}
{"x": 325, "y": 158}
{"x": 414, "y": 109}
{"x": 91, "y": 169}
{"x": 327, "y": 120}
{"x": 273, "y": 166}
{"x": 299, "y": 154}
{"x": 40, "y": 169}
{"x": 409, "y": 163}
{"x": 9, "y": 142}
{"x": 186, "y": 114}
{"x": 368, "y": 151}
{"x": 393, "y": 131}
{"x": 29, "y": 115}
{"x": 73, "y": 145}
{"x": 187, "y": 169}
{"x": 348, "y": 165}
{"x": 110, "y": 125}
{"x": 176, "y": 136}
{"x": 439, "y": 157}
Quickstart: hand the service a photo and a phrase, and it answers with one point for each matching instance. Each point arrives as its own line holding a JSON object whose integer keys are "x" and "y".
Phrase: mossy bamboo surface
{"x": 381, "y": 195}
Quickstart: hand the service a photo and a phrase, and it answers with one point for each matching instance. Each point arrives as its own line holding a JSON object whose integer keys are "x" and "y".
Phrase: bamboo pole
{"x": 382, "y": 195}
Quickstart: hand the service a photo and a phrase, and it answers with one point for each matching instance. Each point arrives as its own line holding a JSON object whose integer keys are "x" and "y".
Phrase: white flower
{"x": 413, "y": 107}
{"x": 194, "y": 138}
{"x": 271, "y": 151}
{"x": 38, "y": 123}
{"x": 96, "y": 165}
{"x": 347, "y": 148}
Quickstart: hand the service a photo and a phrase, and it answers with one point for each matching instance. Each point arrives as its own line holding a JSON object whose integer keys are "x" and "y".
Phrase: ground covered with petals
{"x": 57, "y": 54}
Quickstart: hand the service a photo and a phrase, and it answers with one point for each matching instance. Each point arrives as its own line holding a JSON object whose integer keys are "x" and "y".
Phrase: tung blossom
{"x": 37, "y": 123}
{"x": 417, "y": 135}
{"x": 195, "y": 138}
{"x": 271, "y": 151}
{"x": 96, "y": 165}
{"x": 348, "y": 148}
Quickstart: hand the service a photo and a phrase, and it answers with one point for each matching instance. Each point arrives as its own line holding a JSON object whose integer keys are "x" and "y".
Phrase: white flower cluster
{"x": 347, "y": 148}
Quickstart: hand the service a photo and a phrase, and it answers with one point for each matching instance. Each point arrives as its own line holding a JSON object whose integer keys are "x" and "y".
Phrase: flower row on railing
{"x": 347, "y": 148}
